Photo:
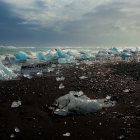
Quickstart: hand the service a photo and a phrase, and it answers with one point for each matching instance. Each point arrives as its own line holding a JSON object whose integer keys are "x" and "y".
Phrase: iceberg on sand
{"x": 6, "y": 73}
{"x": 77, "y": 103}
{"x": 21, "y": 55}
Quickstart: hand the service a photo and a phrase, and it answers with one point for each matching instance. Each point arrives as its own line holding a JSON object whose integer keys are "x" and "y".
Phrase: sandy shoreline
{"x": 36, "y": 94}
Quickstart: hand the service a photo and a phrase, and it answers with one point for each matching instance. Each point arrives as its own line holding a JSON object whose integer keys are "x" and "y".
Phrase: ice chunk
{"x": 50, "y": 69}
{"x": 70, "y": 53}
{"x": 77, "y": 103}
{"x": 66, "y": 134}
{"x": 60, "y": 78}
{"x": 6, "y": 73}
{"x": 27, "y": 76}
{"x": 40, "y": 73}
{"x": 21, "y": 55}
{"x": 61, "y": 86}
{"x": 17, "y": 130}
{"x": 40, "y": 56}
{"x": 126, "y": 90}
{"x": 12, "y": 136}
{"x": 126, "y": 54}
{"x": 51, "y": 56}
{"x": 102, "y": 53}
{"x": 87, "y": 55}
{"x": 113, "y": 51}
{"x": 15, "y": 104}
{"x": 62, "y": 54}
{"x": 83, "y": 77}
{"x": 69, "y": 59}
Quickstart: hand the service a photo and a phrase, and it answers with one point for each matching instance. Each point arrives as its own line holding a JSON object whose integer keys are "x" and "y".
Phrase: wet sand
{"x": 35, "y": 121}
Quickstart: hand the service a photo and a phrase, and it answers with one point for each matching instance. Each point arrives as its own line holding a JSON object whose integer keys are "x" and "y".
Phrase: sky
{"x": 70, "y": 23}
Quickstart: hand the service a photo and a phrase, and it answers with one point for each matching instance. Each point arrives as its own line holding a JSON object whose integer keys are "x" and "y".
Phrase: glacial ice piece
{"x": 50, "y": 56}
{"x": 113, "y": 51}
{"x": 83, "y": 77}
{"x": 69, "y": 59}
{"x": 6, "y": 73}
{"x": 61, "y": 86}
{"x": 127, "y": 50}
{"x": 66, "y": 134}
{"x": 60, "y": 78}
{"x": 70, "y": 53}
{"x": 40, "y": 56}
{"x": 15, "y": 104}
{"x": 62, "y": 54}
{"x": 77, "y": 103}
{"x": 86, "y": 55}
{"x": 102, "y": 53}
{"x": 17, "y": 130}
{"x": 126, "y": 54}
{"x": 22, "y": 55}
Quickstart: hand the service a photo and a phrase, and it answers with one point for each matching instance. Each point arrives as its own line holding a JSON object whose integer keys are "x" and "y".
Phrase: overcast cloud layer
{"x": 70, "y": 22}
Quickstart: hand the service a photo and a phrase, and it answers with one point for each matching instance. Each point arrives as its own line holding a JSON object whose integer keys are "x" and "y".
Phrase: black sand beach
{"x": 121, "y": 81}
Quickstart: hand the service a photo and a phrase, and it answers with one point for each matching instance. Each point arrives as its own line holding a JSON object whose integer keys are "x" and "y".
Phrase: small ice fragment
{"x": 15, "y": 104}
{"x": 121, "y": 137}
{"x": 50, "y": 69}
{"x": 27, "y": 76}
{"x": 61, "y": 86}
{"x": 12, "y": 136}
{"x": 66, "y": 134}
{"x": 39, "y": 73}
{"x": 60, "y": 78}
{"x": 83, "y": 77}
{"x": 108, "y": 97}
{"x": 126, "y": 90}
{"x": 17, "y": 130}
{"x": 53, "y": 65}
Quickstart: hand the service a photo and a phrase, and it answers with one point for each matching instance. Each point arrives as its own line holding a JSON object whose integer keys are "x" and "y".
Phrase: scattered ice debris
{"x": 126, "y": 90}
{"x": 17, "y": 130}
{"x": 21, "y": 55}
{"x": 83, "y": 77}
{"x": 77, "y": 103}
{"x": 15, "y": 104}
{"x": 60, "y": 78}
{"x": 66, "y": 134}
{"x": 12, "y": 136}
{"x": 40, "y": 56}
{"x": 6, "y": 73}
{"x": 61, "y": 86}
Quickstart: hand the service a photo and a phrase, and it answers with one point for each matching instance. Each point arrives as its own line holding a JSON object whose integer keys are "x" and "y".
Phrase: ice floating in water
{"x": 40, "y": 56}
{"x": 15, "y": 104}
{"x": 6, "y": 73}
{"x": 83, "y": 77}
{"x": 21, "y": 55}
{"x": 60, "y": 78}
{"x": 61, "y": 86}
{"x": 77, "y": 103}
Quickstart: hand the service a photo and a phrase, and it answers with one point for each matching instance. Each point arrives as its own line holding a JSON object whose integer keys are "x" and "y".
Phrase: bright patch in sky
{"x": 76, "y": 22}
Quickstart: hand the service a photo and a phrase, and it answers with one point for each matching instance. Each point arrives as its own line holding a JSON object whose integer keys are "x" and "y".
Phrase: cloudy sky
{"x": 70, "y": 22}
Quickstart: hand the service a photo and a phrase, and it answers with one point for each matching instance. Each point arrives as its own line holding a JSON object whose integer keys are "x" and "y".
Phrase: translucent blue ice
{"x": 21, "y": 55}
{"x": 40, "y": 56}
